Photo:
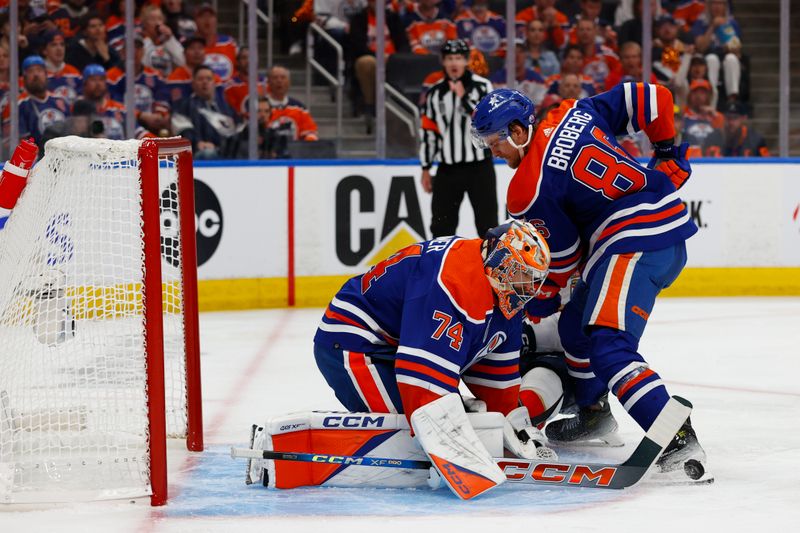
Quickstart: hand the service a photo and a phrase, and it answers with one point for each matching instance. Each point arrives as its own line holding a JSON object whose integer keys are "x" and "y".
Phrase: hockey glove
{"x": 672, "y": 161}
{"x": 523, "y": 439}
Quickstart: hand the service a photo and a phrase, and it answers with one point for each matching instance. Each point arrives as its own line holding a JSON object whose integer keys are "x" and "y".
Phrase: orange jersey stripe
{"x": 428, "y": 371}
{"x": 609, "y": 312}
{"x": 358, "y": 365}
{"x": 625, "y": 388}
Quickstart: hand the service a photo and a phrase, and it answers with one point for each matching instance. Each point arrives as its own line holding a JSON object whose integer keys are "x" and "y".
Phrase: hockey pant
{"x": 602, "y": 324}
{"x": 363, "y": 383}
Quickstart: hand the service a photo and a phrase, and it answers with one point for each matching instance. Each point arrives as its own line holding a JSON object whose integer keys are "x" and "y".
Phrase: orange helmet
{"x": 516, "y": 261}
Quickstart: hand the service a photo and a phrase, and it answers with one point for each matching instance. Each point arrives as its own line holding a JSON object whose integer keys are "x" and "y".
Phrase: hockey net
{"x": 98, "y": 322}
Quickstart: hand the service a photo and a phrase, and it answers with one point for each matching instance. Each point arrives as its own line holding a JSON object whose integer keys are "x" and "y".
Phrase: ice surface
{"x": 737, "y": 360}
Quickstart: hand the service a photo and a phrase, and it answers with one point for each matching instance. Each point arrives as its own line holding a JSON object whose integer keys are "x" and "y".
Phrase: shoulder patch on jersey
{"x": 462, "y": 278}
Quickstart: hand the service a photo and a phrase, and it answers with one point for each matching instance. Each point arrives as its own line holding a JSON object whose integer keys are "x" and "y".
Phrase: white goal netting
{"x": 73, "y": 389}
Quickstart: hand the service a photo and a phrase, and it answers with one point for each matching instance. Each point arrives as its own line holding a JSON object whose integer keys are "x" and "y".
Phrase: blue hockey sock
{"x": 638, "y": 388}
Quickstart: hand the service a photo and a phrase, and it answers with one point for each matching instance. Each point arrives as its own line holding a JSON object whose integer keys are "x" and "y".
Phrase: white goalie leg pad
{"x": 542, "y": 393}
{"x": 450, "y": 442}
{"x": 344, "y": 434}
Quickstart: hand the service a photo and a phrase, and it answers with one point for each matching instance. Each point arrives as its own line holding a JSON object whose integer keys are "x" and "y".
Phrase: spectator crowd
{"x": 192, "y": 81}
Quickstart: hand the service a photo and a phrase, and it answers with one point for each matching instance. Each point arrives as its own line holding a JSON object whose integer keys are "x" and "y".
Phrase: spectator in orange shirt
{"x": 555, "y": 22}
{"x": 590, "y": 10}
{"x": 428, "y": 27}
{"x": 179, "y": 82}
{"x": 599, "y": 61}
{"x": 221, "y": 50}
{"x": 237, "y": 90}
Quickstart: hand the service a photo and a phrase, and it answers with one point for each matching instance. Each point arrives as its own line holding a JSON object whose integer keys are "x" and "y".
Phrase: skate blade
{"x": 677, "y": 478}
{"x": 612, "y": 440}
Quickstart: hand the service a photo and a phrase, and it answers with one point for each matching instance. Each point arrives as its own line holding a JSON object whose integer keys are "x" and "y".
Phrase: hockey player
{"x": 621, "y": 225}
{"x": 400, "y": 337}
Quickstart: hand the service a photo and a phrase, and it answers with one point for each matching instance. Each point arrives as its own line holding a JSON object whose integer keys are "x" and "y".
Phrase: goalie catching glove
{"x": 523, "y": 439}
{"x": 672, "y": 161}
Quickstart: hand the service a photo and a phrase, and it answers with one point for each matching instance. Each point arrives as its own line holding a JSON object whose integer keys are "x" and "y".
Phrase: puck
{"x": 694, "y": 469}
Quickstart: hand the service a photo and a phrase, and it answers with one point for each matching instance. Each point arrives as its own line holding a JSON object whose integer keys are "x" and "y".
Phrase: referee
{"x": 446, "y": 137}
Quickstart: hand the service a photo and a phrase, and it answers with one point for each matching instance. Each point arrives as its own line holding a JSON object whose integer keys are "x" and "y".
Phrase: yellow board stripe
{"x": 317, "y": 291}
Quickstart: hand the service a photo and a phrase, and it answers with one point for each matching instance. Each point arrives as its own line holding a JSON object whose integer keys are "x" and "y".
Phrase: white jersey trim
{"x": 416, "y": 382}
{"x": 339, "y": 328}
{"x": 629, "y": 211}
{"x": 491, "y": 383}
{"x": 350, "y": 308}
{"x": 641, "y": 392}
{"x": 432, "y": 357}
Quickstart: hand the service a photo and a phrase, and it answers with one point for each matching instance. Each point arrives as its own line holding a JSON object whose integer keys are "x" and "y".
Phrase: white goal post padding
{"x": 74, "y": 391}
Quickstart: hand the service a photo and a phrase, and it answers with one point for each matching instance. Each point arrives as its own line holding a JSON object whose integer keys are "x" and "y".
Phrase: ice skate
{"x": 684, "y": 460}
{"x": 592, "y": 426}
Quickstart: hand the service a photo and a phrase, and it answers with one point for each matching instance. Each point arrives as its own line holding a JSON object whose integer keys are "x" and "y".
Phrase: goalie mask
{"x": 516, "y": 261}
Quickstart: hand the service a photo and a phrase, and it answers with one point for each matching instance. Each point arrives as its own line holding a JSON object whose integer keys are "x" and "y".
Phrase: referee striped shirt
{"x": 445, "y": 133}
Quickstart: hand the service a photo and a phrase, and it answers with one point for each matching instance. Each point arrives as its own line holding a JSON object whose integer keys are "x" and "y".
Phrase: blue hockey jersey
{"x": 587, "y": 196}
{"x": 430, "y": 309}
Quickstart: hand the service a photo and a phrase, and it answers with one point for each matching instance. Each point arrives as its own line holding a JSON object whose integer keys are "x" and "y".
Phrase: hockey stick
{"x": 596, "y": 475}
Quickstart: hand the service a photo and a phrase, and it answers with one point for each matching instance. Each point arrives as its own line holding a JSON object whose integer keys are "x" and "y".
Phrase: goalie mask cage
{"x": 99, "y": 349}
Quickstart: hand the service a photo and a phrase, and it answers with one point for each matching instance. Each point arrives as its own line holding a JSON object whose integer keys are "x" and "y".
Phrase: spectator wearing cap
{"x": 179, "y": 81}
{"x": 221, "y": 50}
{"x": 482, "y": 28}
{"x": 237, "y": 89}
{"x": 428, "y": 27}
{"x": 527, "y": 80}
{"x": 700, "y": 120}
{"x": 151, "y": 99}
{"x": 554, "y": 21}
{"x": 599, "y": 61}
{"x": 109, "y": 111}
{"x": 162, "y": 51}
{"x": 363, "y": 45}
{"x": 537, "y": 56}
{"x": 446, "y": 138}
{"x": 738, "y": 139}
{"x": 63, "y": 79}
{"x": 39, "y": 109}
{"x": 179, "y": 19}
{"x": 572, "y": 64}
{"x": 206, "y": 119}
{"x": 698, "y": 70}
{"x": 718, "y": 36}
{"x": 68, "y": 17}
{"x": 630, "y": 58}
{"x": 92, "y": 47}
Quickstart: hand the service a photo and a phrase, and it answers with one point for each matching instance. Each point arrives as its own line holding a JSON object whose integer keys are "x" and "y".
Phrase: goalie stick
{"x": 551, "y": 473}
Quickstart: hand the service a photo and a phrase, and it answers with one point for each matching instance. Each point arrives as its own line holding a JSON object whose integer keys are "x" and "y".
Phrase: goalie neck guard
{"x": 516, "y": 261}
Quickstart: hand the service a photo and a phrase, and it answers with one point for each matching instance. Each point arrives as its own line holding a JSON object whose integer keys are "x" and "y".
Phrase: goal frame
{"x": 150, "y": 152}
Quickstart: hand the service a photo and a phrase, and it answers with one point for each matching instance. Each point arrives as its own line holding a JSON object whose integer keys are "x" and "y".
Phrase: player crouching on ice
{"x": 397, "y": 340}
{"x": 619, "y": 225}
